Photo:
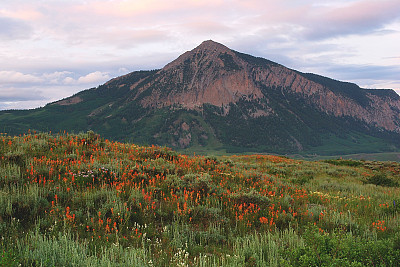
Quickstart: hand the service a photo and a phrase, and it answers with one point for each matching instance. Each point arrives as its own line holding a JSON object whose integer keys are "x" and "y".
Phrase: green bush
{"x": 343, "y": 249}
{"x": 344, "y": 162}
{"x": 382, "y": 180}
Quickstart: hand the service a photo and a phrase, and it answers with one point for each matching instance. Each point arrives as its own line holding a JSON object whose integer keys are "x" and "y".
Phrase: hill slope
{"x": 209, "y": 98}
{"x": 80, "y": 200}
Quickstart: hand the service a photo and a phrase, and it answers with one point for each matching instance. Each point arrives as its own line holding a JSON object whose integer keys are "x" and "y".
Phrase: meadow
{"x": 81, "y": 200}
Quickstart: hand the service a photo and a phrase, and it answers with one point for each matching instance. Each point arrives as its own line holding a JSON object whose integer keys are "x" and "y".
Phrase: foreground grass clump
{"x": 80, "y": 200}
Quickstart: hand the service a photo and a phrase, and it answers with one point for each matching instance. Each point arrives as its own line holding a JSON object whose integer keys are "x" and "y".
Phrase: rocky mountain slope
{"x": 215, "y": 98}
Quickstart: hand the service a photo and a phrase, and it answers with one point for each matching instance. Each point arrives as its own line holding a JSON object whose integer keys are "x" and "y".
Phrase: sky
{"x": 52, "y": 49}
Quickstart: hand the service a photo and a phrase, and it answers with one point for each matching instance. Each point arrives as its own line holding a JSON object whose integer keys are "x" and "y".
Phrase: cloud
{"x": 56, "y": 77}
{"x": 149, "y": 8}
{"x": 93, "y": 78}
{"x": 19, "y": 90}
{"x": 32, "y": 96}
{"x": 20, "y": 11}
{"x": 11, "y": 29}
{"x": 124, "y": 23}
{"x": 20, "y": 94}
{"x": 315, "y": 20}
{"x": 130, "y": 38}
{"x": 366, "y": 72}
{"x": 206, "y": 27}
{"x": 393, "y": 57}
{"x": 7, "y": 77}
{"x": 359, "y": 17}
{"x": 22, "y": 104}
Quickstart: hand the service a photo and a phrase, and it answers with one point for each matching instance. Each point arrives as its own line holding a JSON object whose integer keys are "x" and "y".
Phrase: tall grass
{"x": 80, "y": 200}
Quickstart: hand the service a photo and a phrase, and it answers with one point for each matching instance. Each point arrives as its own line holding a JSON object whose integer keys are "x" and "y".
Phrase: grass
{"x": 353, "y": 143}
{"x": 81, "y": 200}
{"x": 384, "y": 156}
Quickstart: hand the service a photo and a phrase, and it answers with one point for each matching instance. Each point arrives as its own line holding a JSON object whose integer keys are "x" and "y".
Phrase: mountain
{"x": 213, "y": 98}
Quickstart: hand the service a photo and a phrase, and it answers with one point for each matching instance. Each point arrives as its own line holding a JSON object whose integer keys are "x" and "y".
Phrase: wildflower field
{"x": 80, "y": 200}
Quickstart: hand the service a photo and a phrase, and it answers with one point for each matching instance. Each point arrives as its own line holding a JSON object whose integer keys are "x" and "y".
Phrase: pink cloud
{"x": 319, "y": 21}
{"x": 23, "y": 13}
{"x": 355, "y": 18}
{"x": 137, "y": 8}
{"x": 363, "y": 11}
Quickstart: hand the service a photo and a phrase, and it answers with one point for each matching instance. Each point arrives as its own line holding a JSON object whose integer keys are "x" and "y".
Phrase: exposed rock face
{"x": 69, "y": 101}
{"x": 212, "y": 73}
{"x": 380, "y": 112}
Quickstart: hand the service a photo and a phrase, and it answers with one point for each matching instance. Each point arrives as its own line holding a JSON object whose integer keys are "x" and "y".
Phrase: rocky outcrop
{"x": 212, "y": 73}
{"x": 69, "y": 101}
{"x": 379, "y": 112}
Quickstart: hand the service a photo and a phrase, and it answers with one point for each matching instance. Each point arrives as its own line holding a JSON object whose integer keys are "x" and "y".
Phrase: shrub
{"x": 382, "y": 180}
{"x": 251, "y": 196}
{"x": 344, "y": 162}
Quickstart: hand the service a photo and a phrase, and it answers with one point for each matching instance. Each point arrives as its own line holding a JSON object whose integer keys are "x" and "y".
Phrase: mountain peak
{"x": 211, "y": 45}
{"x": 209, "y": 49}
{"x": 210, "y": 73}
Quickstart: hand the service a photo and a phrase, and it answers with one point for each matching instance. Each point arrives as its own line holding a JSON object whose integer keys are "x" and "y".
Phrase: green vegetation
{"x": 137, "y": 108}
{"x": 81, "y": 200}
{"x": 229, "y": 62}
{"x": 384, "y": 156}
{"x": 350, "y": 90}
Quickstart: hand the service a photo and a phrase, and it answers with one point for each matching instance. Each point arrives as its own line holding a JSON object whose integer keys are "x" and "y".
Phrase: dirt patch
{"x": 69, "y": 101}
